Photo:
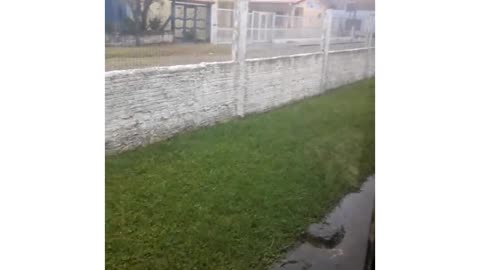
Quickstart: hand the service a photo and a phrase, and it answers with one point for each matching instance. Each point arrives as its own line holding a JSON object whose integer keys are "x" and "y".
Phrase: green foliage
{"x": 234, "y": 195}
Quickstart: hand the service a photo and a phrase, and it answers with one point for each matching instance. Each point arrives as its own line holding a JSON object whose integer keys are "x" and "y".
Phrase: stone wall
{"x": 147, "y": 105}
{"x": 348, "y": 66}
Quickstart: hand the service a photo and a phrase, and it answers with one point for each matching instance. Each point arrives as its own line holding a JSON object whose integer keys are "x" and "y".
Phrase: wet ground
{"x": 354, "y": 215}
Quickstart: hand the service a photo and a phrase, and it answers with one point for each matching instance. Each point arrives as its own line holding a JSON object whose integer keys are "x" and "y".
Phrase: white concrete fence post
{"x": 272, "y": 30}
{"x": 370, "y": 31}
{"x": 327, "y": 30}
{"x": 239, "y": 52}
{"x": 213, "y": 24}
{"x": 240, "y": 20}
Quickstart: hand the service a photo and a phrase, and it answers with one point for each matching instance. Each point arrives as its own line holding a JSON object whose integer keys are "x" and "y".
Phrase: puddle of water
{"x": 354, "y": 214}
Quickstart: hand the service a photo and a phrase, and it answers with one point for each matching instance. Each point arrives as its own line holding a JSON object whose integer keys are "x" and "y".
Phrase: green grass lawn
{"x": 233, "y": 196}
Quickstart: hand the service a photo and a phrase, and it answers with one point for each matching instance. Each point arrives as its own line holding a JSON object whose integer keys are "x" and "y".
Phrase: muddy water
{"x": 354, "y": 213}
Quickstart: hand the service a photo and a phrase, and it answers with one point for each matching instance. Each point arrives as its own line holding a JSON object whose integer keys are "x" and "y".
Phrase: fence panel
{"x": 268, "y": 35}
{"x": 224, "y": 26}
{"x": 351, "y": 29}
{"x": 296, "y": 27}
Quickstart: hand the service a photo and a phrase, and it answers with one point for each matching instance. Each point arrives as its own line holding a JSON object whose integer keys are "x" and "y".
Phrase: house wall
{"x": 361, "y": 4}
{"x": 226, "y": 4}
{"x": 313, "y": 11}
{"x": 160, "y": 9}
{"x": 116, "y": 11}
{"x": 283, "y": 9}
{"x": 147, "y": 105}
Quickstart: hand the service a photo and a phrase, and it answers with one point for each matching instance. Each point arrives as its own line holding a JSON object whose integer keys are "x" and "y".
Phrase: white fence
{"x": 343, "y": 22}
{"x": 267, "y": 27}
{"x": 224, "y": 25}
{"x": 264, "y": 27}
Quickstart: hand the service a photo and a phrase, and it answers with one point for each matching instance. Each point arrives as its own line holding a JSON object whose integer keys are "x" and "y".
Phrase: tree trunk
{"x": 146, "y": 8}
{"x": 136, "y": 17}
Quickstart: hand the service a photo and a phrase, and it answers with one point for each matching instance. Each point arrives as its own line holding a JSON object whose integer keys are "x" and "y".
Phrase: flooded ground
{"x": 353, "y": 217}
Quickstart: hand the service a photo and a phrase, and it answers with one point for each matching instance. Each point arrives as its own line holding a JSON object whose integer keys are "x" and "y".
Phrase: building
{"x": 116, "y": 12}
{"x": 159, "y": 22}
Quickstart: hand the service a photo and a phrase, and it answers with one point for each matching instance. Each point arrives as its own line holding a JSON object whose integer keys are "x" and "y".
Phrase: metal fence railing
{"x": 224, "y": 25}
{"x": 351, "y": 29}
{"x": 188, "y": 32}
{"x": 264, "y": 27}
{"x": 270, "y": 27}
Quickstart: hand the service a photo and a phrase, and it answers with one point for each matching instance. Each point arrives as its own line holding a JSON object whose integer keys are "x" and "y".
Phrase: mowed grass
{"x": 235, "y": 195}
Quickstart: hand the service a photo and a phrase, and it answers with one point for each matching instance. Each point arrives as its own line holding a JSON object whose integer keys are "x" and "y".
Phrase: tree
{"x": 146, "y": 8}
{"x": 140, "y": 9}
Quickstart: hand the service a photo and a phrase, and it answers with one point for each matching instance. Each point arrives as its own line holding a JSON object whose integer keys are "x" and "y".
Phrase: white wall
{"x": 147, "y": 105}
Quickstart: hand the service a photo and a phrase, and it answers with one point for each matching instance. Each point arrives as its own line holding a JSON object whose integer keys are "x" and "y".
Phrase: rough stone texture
{"x": 324, "y": 234}
{"x": 272, "y": 82}
{"x": 348, "y": 66}
{"x": 147, "y": 105}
